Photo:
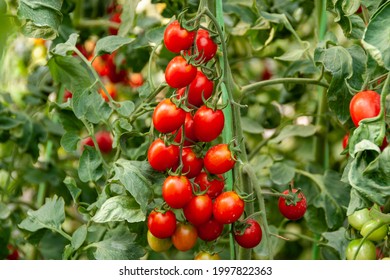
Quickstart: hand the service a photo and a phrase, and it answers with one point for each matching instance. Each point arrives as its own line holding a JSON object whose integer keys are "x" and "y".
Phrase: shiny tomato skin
{"x": 158, "y": 244}
{"x": 202, "y": 255}
{"x": 358, "y": 218}
{"x": 208, "y": 123}
{"x": 189, "y": 134}
{"x": 292, "y": 212}
{"x": 176, "y": 38}
{"x": 219, "y": 159}
{"x": 104, "y": 141}
{"x": 179, "y": 73}
{"x": 199, "y": 210}
{"x": 228, "y": 207}
{"x": 177, "y": 191}
{"x": 162, "y": 157}
{"x": 200, "y": 86}
{"x": 367, "y": 250}
{"x": 185, "y": 237}
{"x": 377, "y": 235}
{"x": 192, "y": 164}
{"x": 364, "y": 104}
{"x": 167, "y": 117}
{"x": 214, "y": 186}
{"x": 251, "y": 236}
{"x": 210, "y": 230}
{"x": 206, "y": 47}
{"x": 162, "y": 225}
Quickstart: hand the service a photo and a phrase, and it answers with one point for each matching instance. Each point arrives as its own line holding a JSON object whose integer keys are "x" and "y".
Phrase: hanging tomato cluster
{"x": 188, "y": 123}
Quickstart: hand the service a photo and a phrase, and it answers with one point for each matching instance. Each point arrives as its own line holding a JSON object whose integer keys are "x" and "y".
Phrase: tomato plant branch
{"x": 255, "y": 183}
{"x": 258, "y": 85}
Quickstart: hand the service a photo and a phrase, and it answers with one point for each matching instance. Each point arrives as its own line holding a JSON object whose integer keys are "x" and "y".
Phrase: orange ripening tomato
{"x": 111, "y": 89}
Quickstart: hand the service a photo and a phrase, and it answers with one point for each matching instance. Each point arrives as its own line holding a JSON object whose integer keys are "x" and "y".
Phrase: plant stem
{"x": 255, "y": 183}
{"x": 258, "y": 85}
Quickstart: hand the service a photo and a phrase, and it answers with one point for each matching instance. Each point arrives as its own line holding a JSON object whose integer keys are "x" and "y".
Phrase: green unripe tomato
{"x": 366, "y": 252}
{"x": 158, "y": 244}
{"x": 359, "y": 218}
{"x": 378, "y": 234}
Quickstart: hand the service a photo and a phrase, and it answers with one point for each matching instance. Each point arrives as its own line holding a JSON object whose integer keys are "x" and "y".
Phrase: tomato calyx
{"x": 292, "y": 198}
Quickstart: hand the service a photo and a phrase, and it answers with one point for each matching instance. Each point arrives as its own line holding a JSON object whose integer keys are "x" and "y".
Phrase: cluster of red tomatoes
{"x": 186, "y": 151}
{"x": 373, "y": 230}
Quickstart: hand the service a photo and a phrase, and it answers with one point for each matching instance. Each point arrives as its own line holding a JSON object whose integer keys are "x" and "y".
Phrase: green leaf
{"x": 72, "y": 187}
{"x": 68, "y": 70}
{"x": 5, "y": 212}
{"x": 276, "y": 244}
{"x": 294, "y": 130}
{"x": 155, "y": 35}
{"x": 369, "y": 175}
{"x": 251, "y": 126}
{"x": 337, "y": 241}
{"x": 69, "y": 141}
{"x": 359, "y": 69}
{"x": 332, "y": 198}
{"x": 118, "y": 209}
{"x": 109, "y": 44}
{"x": 294, "y": 53}
{"x": 281, "y": 173}
{"x": 50, "y": 216}
{"x": 118, "y": 244}
{"x": 125, "y": 108}
{"x": 90, "y": 166}
{"x": 63, "y": 49}
{"x": 376, "y": 39}
{"x": 338, "y": 62}
{"x": 79, "y": 237}
{"x": 128, "y": 17}
{"x": 137, "y": 178}
{"x": 41, "y": 19}
{"x": 91, "y": 105}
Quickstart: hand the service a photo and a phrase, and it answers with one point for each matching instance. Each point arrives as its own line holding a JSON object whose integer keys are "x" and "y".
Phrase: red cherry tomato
{"x": 219, "y": 159}
{"x": 179, "y": 73}
{"x": 345, "y": 140}
{"x": 176, "y": 38}
{"x": 13, "y": 253}
{"x": 208, "y": 124}
{"x": 228, "y": 207}
{"x": 363, "y": 105}
{"x": 192, "y": 165}
{"x": 116, "y": 17}
{"x": 189, "y": 134}
{"x": 290, "y": 210}
{"x": 210, "y": 230}
{"x": 167, "y": 117}
{"x": 162, "y": 225}
{"x": 136, "y": 80}
{"x": 111, "y": 89}
{"x": 206, "y": 47}
{"x": 199, "y": 210}
{"x": 104, "y": 141}
{"x": 162, "y": 157}
{"x": 200, "y": 86}
{"x": 116, "y": 73}
{"x": 67, "y": 95}
{"x": 214, "y": 186}
{"x": 251, "y": 236}
{"x": 177, "y": 191}
{"x": 185, "y": 237}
